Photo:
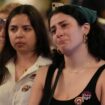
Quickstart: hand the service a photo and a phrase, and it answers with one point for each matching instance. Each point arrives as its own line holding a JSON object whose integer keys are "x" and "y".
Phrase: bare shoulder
{"x": 102, "y": 76}
{"x": 41, "y": 75}
{"x": 102, "y": 86}
{"x": 38, "y": 85}
{"x": 43, "y": 71}
{"x": 100, "y": 89}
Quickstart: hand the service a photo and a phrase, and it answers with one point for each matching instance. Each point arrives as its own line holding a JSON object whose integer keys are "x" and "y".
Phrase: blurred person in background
{"x": 4, "y": 12}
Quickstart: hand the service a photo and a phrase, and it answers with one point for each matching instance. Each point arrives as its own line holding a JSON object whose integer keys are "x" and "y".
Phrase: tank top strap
{"x": 49, "y": 77}
{"x": 47, "y": 86}
{"x": 92, "y": 84}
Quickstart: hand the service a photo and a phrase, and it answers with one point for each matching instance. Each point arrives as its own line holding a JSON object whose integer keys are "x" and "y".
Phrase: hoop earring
{"x": 59, "y": 51}
{"x": 85, "y": 38}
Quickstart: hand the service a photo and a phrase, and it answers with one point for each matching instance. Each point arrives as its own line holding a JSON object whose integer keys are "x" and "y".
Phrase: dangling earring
{"x": 85, "y": 38}
{"x": 59, "y": 51}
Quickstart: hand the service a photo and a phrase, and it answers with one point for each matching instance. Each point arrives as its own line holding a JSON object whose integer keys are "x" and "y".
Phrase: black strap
{"x": 47, "y": 87}
{"x": 48, "y": 91}
{"x": 55, "y": 84}
{"x": 92, "y": 84}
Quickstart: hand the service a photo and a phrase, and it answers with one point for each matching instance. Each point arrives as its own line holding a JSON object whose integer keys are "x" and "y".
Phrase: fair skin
{"x": 23, "y": 40}
{"x": 2, "y": 35}
{"x": 80, "y": 66}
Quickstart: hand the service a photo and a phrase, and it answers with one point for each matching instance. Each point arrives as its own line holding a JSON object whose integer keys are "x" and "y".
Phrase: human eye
{"x": 52, "y": 30}
{"x": 27, "y": 28}
{"x": 64, "y": 25}
{"x": 13, "y": 29}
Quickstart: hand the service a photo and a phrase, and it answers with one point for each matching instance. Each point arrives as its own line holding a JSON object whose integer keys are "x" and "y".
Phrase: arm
{"x": 103, "y": 89}
{"x": 100, "y": 88}
{"x": 103, "y": 94}
{"x": 37, "y": 88}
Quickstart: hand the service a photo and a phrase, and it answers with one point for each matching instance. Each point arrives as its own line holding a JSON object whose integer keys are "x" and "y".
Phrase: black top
{"x": 86, "y": 97}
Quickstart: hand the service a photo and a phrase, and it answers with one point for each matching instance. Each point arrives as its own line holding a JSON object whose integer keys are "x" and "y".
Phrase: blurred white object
{"x": 101, "y": 20}
{"x": 41, "y": 5}
{"x": 56, "y": 4}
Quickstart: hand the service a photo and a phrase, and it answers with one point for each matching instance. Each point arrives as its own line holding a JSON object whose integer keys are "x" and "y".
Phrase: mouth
{"x": 61, "y": 42}
{"x": 2, "y": 39}
{"x": 19, "y": 44}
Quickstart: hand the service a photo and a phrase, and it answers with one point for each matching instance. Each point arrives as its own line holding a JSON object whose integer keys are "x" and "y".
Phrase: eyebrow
{"x": 62, "y": 21}
{"x": 58, "y": 23}
{"x": 25, "y": 25}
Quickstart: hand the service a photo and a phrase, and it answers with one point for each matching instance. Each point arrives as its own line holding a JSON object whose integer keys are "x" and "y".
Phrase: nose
{"x": 2, "y": 33}
{"x": 59, "y": 32}
{"x": 2, "y": 28}
{"x": 19, "y": 33}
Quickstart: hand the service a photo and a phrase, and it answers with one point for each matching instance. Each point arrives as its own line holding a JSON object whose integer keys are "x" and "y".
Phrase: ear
{"x": 86, "y": 28}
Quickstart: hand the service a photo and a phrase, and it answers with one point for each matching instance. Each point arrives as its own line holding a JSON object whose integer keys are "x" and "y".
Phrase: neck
{"x": 79, "y": 61}
{"x": 25, "y": 59}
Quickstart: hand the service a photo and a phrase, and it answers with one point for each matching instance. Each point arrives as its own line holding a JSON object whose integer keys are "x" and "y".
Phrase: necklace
{"x": 78, "y": 71}
{"x": 25, "y": 70}
{"x": 81, "y": 69}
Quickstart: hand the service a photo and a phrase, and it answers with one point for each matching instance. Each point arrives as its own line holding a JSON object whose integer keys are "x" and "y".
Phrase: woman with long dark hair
{"x": 26, "y": 49}
{"x": 78, "y": 78}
